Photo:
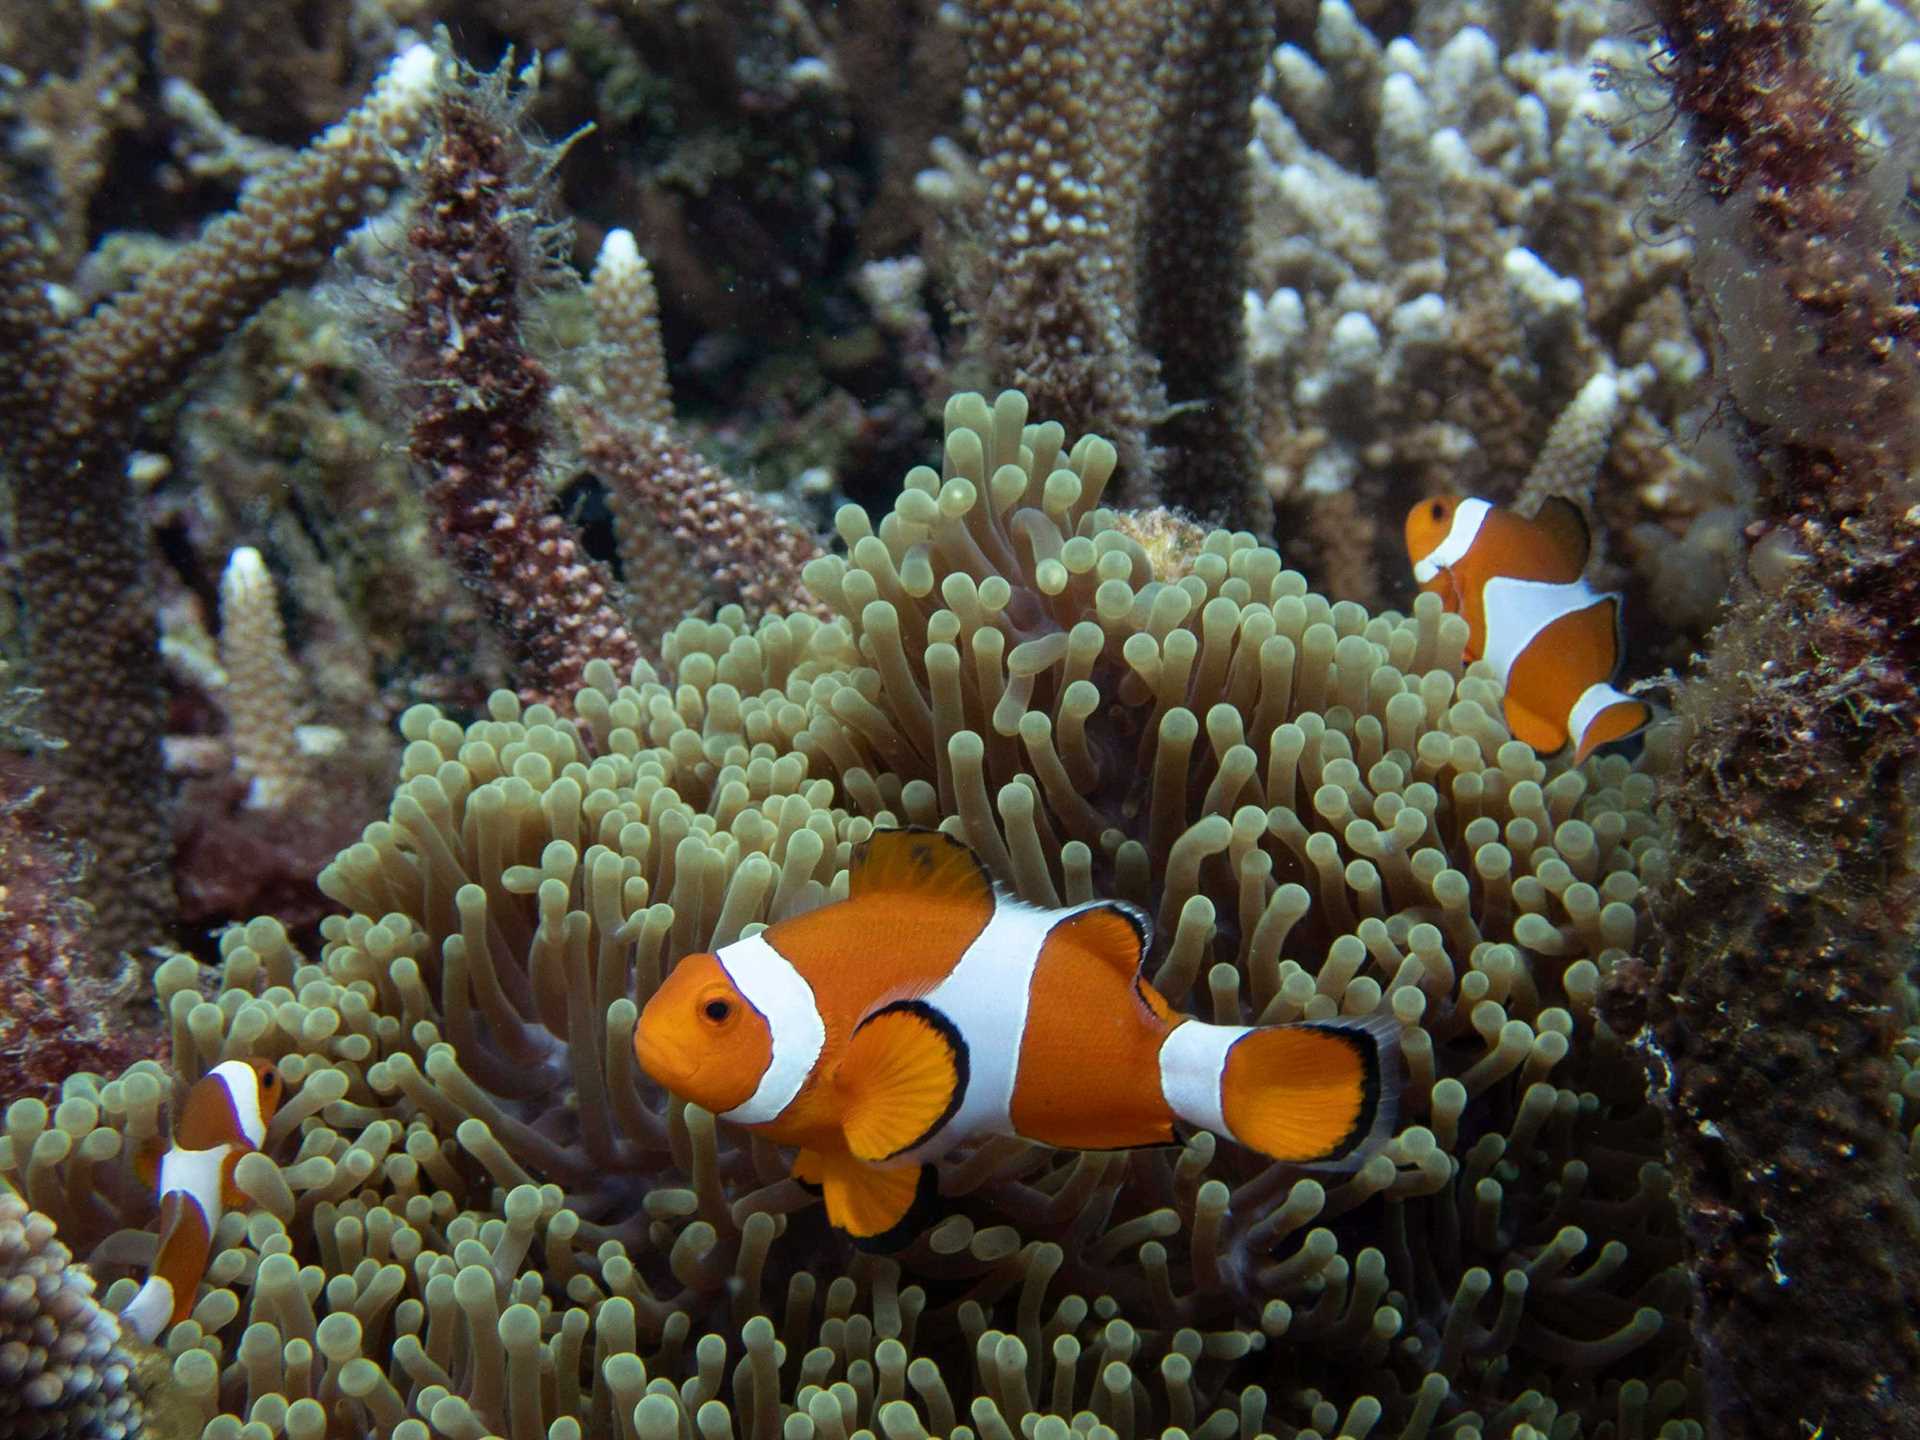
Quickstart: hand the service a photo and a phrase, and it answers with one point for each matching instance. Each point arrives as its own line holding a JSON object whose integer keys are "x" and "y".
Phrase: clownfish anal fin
{"x": 901, "y": 1079}
{"x": 924, "y": 863}
{"x": 879, "y": 1208}
{"x": 1112, "y": 931}
{"x": 1562, "y": 525}
{"x": 809, "y": 1170}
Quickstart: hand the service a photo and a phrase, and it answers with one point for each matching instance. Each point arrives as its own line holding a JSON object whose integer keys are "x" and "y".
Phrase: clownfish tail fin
{"x": 1321, "y": 1092}
{"x": 150, "y": 1311}
{"x": 167, "y": 1297}
{"x": 1603, "y": 715}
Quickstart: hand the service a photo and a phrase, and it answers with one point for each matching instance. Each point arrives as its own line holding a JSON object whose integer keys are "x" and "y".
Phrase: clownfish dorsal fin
{"x": 1561, "y": 524}
{"x": 1110, "y": 930}
{"x": 901, "y": 1079}
{"x": 927, "y": 864}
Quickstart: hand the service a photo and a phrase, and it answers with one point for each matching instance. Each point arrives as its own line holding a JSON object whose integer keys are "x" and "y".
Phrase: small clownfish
{"x": 1552, "y": 638}
{"x": 225, "y": 1116}
{"x": 928, "y": 1009}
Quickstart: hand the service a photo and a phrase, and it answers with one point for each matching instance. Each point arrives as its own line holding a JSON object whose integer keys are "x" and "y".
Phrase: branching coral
{"x": 479, "y": 424}
{"x": 63, "y": 1372}
{"x": 1113, "y": 227}
{"x": 472, "y": 1216}
{"x": 1456, "y": 267}
{"x": 75, "y": 390}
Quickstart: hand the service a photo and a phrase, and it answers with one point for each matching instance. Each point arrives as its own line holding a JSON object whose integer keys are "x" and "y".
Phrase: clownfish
{"x": 928, "y": 1009}
{"x": 225, "y": 1116}
{"x": 1552, "y": 638}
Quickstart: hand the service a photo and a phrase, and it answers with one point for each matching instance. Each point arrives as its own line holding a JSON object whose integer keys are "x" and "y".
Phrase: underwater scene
{"x": 1010, "y": 719}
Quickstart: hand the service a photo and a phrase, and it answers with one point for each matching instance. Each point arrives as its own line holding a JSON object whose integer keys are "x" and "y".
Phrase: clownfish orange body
{"x": 225, "y": 1116}
{"x": 928, "y": 1009}
{"x": 1553, "y": 639}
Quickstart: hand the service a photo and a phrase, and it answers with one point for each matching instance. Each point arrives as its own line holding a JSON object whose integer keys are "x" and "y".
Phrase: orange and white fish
{"x": 1553, "y": 639}
{"x": 927, "y": 1009}
{"x": 225, "y": 1116}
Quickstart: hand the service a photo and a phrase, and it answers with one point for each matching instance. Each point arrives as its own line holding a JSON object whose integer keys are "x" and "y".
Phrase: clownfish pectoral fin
{"x": 1112, "y": 930}
{"x": 880, "y": 1207}
{"x": 232, "y": 1197}
{"x": 929, "y": 864}
{"x": 901, "y": 1079}
{"x": 1562, "y": 525}
{"x": 147, "y": 1156}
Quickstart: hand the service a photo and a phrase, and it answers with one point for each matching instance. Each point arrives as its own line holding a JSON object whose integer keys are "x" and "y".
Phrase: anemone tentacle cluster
{"x": 474, "y": 1216}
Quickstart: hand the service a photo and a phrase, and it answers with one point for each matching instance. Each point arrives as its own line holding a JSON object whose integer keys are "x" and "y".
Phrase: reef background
{"x": 1300, "y": 267}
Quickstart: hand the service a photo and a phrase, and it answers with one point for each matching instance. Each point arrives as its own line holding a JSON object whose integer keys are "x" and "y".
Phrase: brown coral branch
{"x": 92, "y": 635}
{"x": 1194, "y": 265}
{"x": 745, "y": 552}
{"x": 1114, "y": 138}
{"x": 480, "y": 429}
{"x": 1791, "y": 917}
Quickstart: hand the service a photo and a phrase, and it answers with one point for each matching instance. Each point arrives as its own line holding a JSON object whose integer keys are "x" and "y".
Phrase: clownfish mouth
{"x": 665, "y": 1062}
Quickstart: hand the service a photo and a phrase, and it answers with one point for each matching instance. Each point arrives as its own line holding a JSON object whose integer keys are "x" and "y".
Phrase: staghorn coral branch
{"x": 1194, "y": 265}
{"x": 1114, "y": 142}
{"x": 1790, "y": 921}
{"x": 480, "y": 430}
{"x": 750, "y": 555}
{"x": 81, "y": 545}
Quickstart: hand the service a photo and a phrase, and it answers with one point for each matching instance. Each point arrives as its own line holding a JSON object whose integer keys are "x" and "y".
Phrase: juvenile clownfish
{"x": 927, "y": 1009}
{"x": 225, "y": 1115}
{"x": 1552, "y": 638}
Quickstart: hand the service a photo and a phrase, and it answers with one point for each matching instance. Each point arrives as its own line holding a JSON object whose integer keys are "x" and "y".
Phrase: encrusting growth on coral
{"x": 473, "y": 1216}
{"x": 74, "y": 392}
{"x": 480, "y": 414}
{"x": 1790, "y": 922}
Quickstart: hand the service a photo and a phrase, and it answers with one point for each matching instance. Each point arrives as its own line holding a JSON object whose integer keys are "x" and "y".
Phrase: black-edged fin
{"x": 880, "y": 1208}
{"x": 1113, "y": 930}
{"x": 1563, "y": 525}
{"x": 809, "y": 1172}
{"x": 903, "y": 1076}
{"x": 925, "y": 863}
{"x": 1316, "y": 1093}
{"x": 1376, "y": 1039}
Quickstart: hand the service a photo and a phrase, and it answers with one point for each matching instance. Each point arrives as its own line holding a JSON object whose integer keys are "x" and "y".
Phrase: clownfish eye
{"x": 270, "y": 1078}
{"x": 1438, "y": 510}
{"x": 716, "y": 1010}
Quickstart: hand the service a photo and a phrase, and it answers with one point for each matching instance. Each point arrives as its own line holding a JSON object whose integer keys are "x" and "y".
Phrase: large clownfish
{"x": 224, "y": 1116}
{"x": 1552, "y": 638}
{"x": 927, "y": 1010}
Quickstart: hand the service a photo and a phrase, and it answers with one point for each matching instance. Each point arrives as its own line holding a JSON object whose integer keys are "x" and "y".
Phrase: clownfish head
{"x": 272, "y": 1087}
{"x": 700, "y": 1038}
{"x": 1428, "y": 524}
